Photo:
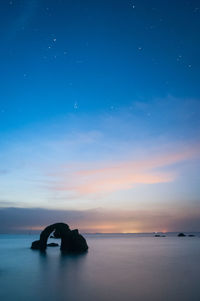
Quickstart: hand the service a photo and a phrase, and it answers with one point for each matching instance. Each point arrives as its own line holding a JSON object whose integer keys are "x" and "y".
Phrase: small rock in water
{"x": 52, "y": 244}
{"x": 181, "y": 235}
{"x": 158, "y": 235}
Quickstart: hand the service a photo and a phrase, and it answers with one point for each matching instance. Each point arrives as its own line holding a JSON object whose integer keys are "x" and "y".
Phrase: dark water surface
{"x": 116, "y": 267}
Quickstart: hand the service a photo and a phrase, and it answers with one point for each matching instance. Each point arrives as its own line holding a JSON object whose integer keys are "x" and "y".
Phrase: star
{"x": 75, "y": 105}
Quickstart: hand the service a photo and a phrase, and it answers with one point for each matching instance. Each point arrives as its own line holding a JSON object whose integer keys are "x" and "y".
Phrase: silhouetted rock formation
{"x": 52, "y": 244}
{"x": 71, "y": 240}
{"x": 181, "y": 235}
{"x": 191, "y": 235}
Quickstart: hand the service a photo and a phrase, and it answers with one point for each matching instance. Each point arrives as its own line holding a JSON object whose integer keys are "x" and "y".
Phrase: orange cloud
{"x": 109, "y": 182}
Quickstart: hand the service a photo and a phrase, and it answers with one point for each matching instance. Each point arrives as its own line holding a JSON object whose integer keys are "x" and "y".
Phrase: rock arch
{"x": 71, "y": 240}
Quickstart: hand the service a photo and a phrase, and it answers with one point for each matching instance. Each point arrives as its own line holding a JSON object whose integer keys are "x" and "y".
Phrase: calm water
{"x": 117, "y": 267}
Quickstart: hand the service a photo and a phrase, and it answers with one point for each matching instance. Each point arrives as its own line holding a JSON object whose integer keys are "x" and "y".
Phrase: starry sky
{"x": 100, "y": 115}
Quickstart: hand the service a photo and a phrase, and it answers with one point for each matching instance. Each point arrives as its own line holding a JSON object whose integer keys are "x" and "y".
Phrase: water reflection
{"x": 113, "y": 269}
{"x": 59, "y": 272}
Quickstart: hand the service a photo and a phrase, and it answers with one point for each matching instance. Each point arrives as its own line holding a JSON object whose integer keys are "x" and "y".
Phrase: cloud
{"x": 3, "y": 172}
{"x": 83, "y": 159}
{"x": 94, "y": 178}
{"x": 6, "y": 204}
{"x": 23, "y": 220}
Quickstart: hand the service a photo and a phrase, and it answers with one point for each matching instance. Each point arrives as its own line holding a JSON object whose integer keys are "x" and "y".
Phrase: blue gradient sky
{"x": 100, "y": 114}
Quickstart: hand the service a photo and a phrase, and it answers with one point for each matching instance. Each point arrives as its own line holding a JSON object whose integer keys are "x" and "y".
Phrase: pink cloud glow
{"x": 104, "y": 177}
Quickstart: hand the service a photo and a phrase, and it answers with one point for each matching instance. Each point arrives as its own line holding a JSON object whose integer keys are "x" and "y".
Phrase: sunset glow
{"x": 99, "y": 116}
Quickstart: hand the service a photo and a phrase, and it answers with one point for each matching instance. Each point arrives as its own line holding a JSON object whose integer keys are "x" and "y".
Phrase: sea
{"x": 117, "y": 267}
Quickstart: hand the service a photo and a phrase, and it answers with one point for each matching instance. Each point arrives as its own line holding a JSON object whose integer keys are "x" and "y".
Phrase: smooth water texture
{"x": 116, "y": 267}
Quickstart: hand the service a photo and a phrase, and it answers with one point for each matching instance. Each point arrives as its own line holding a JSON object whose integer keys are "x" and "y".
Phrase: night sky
{"x": 100, "y": 115}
